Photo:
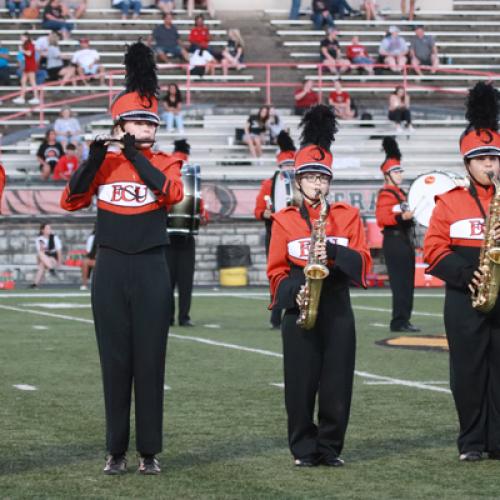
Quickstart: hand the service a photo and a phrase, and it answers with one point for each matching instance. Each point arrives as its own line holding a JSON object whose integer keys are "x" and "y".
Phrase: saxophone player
{"x": 317, "y": 361}
{"x": 452, "y": 248}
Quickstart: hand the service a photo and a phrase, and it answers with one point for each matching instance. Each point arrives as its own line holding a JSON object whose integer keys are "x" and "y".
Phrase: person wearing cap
{"x": 131, "y": 285}
{"x": 394, "y": 50}
{"x": 396, "y": 221}
{"x": 264, "y": 204}
{"x": 85, "y": 61}
{"x": 318, "y": 363}
{"x": 452, "y": 248}
{"x": 423, "y": 51}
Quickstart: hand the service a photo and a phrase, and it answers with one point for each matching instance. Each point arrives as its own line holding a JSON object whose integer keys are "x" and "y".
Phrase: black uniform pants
{"x": 399, "y": 257}
{"x": 319, "y": 362}
{"x": 275, "y": 312}
{"x": 474, "y": 340}
{"x": 131, "y": 306}
{"x": 181, "y": 259}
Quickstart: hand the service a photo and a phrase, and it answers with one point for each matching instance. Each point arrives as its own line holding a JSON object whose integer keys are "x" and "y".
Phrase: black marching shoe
{"x": 188, "y": 322}
{"x": 408, "y": 328}
{"x": 494, "y": 455}
{"x": 115, "y": 465}
{"x": 332, "y": 461}
{"x": 305, "y": 462}
{"x": 149, "y": 465}
{"x": 470, "y": 456}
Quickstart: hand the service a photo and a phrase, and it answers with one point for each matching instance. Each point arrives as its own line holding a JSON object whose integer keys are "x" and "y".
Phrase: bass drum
{"x": 184, "y": 217}
{"x": 425, "y": 187}
{"x": 284, "y": 192}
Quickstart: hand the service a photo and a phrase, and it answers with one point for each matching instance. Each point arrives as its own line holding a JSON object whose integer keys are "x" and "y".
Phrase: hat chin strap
{"x": 485, "y": 186}
{"x": 314, "y": 202}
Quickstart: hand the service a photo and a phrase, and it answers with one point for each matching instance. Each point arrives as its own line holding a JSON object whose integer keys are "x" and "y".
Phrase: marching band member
{"x": 263, "y": 203}
{"x": 396, "y": 220}
{"x": 317, "y": 362}
{"x": 452, "y": 248}
{"x": 131, "y": 286}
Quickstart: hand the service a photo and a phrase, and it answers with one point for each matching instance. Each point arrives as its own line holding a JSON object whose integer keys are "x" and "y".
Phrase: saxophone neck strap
{"x": 475, "y": 197}
{"x": 305, "y": 214}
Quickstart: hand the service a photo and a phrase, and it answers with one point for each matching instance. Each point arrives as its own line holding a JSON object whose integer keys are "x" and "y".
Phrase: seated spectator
{"x": 48, "y": 154}
{"x": 275, "y": 125}
{"x": 172, "y": 104}
{"x": 55, "y": 60}
{"x": 199, "y": 36}
{"x": 88, "y": 263}
{"x": 66, "y": 165}
{"x": 48, "y": 253}
{"x": 76, "y": 8}
{"x": 166, "y": 6}
{"x": 206, "y": 4}
{"x": 370, "y": 8}
{"x": 358, "y": 56}
{"x": 423, "y": 51}
{"x": 55, "y": 18}
{"x": 30, "y": 67}
{"x": 4, "y": 66}
{"x": 42, "y": 46}
{"x": 341, "y": 102}
{"x": 331, "y": 53}
{"x": 393, "y": 50}
{"x": 126, "y": 6}
{"x": 232, "y": 55}
{"x": 321, "y": 15}
{"x": 305, "y": 97}
{"x": 255, "y": 129}
{"x": 16, "y": 7}
{"x": 340, "y": 8}
{"x": 67, "y": 127}
{"x": 166, "y": 41}
{"x": 411, "y": 15}
{"x": 201, "y": 62}
{"x": 399, "y": 109}
{"x": 32, "y": 11}
{"x": 85, "y": 61}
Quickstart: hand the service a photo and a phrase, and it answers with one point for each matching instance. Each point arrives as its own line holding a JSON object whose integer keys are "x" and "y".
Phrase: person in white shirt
{"x": 201, "y": 62}
{"x": 67, "y": 128}
{"x": 48, "y": 253}
{"x": 86, "y": 61}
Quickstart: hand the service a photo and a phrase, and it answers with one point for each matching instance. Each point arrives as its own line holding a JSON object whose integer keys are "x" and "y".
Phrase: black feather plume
{"x": 319, "y": 127}
{"x": 482, "y": 107}
{"x": 182, "y": 146}
{"x": 391, "y": 148}
{"x": 140, "y": 70}
{"x": 285, "y": 142}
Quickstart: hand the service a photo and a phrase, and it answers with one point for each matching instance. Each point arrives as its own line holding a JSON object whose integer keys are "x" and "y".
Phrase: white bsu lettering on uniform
{"x": 126, "y": 194}
{"x": 468, "y": 229}
{"x": 299, "y": 249}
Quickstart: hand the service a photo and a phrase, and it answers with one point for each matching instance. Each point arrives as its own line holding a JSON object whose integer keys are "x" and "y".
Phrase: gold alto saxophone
{"x": 315, "y": 272}
{"x": 486, "y": 293}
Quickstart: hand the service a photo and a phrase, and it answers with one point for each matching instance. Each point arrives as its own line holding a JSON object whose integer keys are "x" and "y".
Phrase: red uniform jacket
{"x": 348, "y": 255}
{"x": 456, "y": 232}
{"x": 260, "y": 202}
{"x": 388, "y": 210}
{"x": 2, "y": 185}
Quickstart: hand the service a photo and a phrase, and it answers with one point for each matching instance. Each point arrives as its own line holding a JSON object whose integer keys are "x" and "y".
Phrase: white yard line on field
{"x": 25, "y": 387}
{"x": 264, "y": 352}
{"x": 386, "y": 310}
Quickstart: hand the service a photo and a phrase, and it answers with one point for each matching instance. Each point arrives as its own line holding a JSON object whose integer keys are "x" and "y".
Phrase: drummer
{"x": 396, "y": 220}
{"x": 181, "y": 253}
{"x": 264, "y": 204}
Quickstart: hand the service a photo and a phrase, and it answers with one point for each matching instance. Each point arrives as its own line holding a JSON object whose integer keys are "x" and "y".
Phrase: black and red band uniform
{"x": 318, "y": 363}
{"x": 451, "y": 250}
{"x": 131, "y": 287}
{"x": 398, "y": 248}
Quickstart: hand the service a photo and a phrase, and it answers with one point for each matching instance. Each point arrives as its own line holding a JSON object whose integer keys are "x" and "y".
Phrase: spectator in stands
{"x": 126, "y": 6}
{"x": 166, "y": 6}
{"x": 207, "y": 4}
{"x": 255, "y": 129}
{"x": 67, "y": 164}
{"x": 48, "y": 253}
{"x": 88, "y": 262}
{"x": 4, "y": 66}
{"x": 393, "y": 50}
{"x": 232, "y": 55}
{"x": 85, "y": 61}
{"x": 76, "y": 8}
{"x": 358, "y": 56}
{"x": 32, "y": 11}
{"x": 399, "y": 109}
{"x": 321, "y": 15}
{"x": 370, "y": 8}
{"x": 55, "y": 59}
{"x": 423, "y": 51}
{"x": 199, "y": 36}
{"x": 16, "y": 7}
{"x": 48, "y": 154}
{"x": 341, "y": 102}
{"x": 275, "y": 125}
{"x": 305, "y": 97}
{"x": 172, "y": 104}
{"x": 331, "y": 53}
{"x": 42, "y": 47}
{"x": 412, "y": 10}
{"x": 166, "y": 41}
{"x": 202, "y": 62}
{"x": 294, "y": 10}
{"x": 67, "y": 128}
{"x": 340, "y": 8}
{"x": 55, "y": 18}
{"x": 29, "y": 70}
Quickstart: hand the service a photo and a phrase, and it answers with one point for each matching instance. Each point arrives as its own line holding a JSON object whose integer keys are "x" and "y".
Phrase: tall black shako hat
{"x": 139, "y": 99}
{"x": 392, "y": 162}
{"x": 286, "y": 155}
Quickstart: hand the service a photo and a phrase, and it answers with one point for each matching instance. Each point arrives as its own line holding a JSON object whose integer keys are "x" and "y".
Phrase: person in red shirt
{"x": 452, "y": 249}
{"x": 66, "y": 165}
{"x": 359, "y": 57}
{"x": 29, "y": 70}
{"x": 305, "y": 97}
{"x": 2, "y": 184}
{"x": 396, "y": 220}
{"x": 131, "y": 286}
{"x": 341, "y": 102}
{"x": 199, "y": 36}
{"x": 318, "y": 363}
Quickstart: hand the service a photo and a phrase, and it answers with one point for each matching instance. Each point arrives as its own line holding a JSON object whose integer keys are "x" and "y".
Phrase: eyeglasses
{"x": 312, "y": 178}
